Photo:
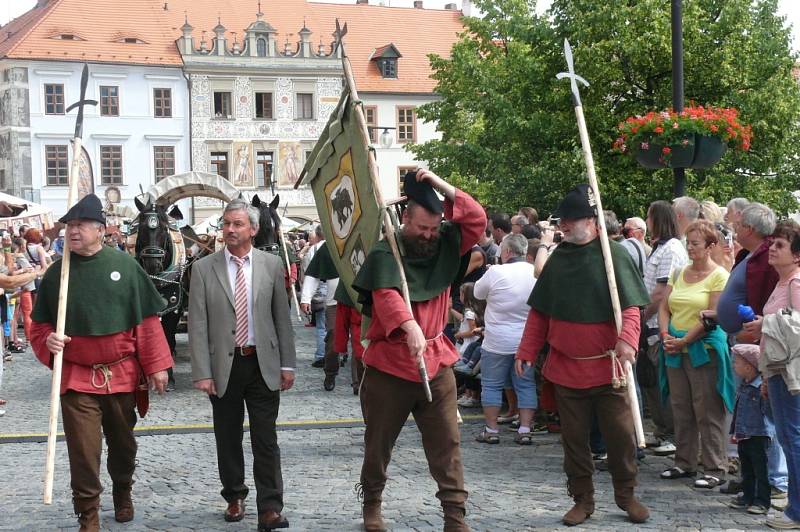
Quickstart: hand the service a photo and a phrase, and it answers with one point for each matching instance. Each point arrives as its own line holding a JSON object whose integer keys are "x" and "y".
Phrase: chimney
{"x": 466, "y": 8}
{"x": 417, "y": 4}
{"x": 451, "y": 7}
{"x": 362, "y": 2}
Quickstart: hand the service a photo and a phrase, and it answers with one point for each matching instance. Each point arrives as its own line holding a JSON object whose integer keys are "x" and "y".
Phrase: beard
{"x": 578, "y": 234}
{"x": 419, "y": 247}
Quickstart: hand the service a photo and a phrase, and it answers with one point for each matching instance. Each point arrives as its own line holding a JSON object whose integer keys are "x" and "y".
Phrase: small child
{"x": 752, "y": 429}
{"x": 472, "y": 319}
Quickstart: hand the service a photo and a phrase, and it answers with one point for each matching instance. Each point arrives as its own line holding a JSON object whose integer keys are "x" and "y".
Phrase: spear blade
{"x": 571, "y": 75}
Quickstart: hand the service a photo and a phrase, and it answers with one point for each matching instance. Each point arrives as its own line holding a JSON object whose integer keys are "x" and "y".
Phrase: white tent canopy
{"x": 35, "y": 215}
{"x": 190, "y": 184}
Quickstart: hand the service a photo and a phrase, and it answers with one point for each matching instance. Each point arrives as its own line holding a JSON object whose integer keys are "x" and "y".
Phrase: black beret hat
{"x": 88, "y": 208}
{"x": 422, "y": 193}
{"x": 578, "y": 203}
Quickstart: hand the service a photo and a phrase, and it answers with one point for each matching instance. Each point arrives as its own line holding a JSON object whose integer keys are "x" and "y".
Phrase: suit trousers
{"x": 387, "y": 401}
{"x": 615, "y": 419}
{"x": 699, "y": 415}
{"x": 246, "y": 387}
{"x": 331, "y": 356}
{"x": 85, "y": 415}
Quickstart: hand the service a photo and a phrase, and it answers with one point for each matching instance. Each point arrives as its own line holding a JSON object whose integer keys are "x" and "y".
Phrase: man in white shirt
{"x": 506, "y": 288}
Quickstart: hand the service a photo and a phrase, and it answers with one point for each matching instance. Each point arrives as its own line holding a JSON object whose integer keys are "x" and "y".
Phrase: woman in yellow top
{"x": 695, "y": 366}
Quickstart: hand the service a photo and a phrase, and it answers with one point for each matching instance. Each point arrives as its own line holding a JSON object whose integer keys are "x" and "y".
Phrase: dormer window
{"x": 132, "y": 40}
{"x": 261, "y": 47}
{"x": 386, "y": 58}
{"x": 66, "y": 37}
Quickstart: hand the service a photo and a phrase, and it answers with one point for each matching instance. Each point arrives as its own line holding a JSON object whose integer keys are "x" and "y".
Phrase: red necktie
{"x": 240, "y": 303}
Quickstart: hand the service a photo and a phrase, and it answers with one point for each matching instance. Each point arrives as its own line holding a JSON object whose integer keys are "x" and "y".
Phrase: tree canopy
{"x": 508, "y": 126}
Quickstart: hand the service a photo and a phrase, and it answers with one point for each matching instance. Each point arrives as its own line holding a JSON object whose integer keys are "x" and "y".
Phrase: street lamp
{"x": 385, "y": 139}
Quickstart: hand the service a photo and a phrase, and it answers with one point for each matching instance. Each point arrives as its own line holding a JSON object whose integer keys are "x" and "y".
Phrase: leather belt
{"x": 245, "y": 350}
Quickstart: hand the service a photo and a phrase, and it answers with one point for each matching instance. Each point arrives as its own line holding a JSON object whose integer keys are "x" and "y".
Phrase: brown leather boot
{"x": 88, "y": 511}
{"x": 626, "y": 500}
{"x": 582, "y": 492}
{"x": 123, "y": 505}
{"x": 454, "y": 518}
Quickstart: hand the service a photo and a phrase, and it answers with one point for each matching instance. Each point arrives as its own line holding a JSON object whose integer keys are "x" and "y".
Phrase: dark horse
{"x": 155, "y": 252}
{"x": 268, "y": 236}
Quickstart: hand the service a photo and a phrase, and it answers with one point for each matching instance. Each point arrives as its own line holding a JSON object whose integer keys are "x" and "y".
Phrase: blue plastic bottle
{"x": 746, "y": 313}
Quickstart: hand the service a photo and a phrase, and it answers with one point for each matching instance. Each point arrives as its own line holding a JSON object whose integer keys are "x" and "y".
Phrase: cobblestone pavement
{"x": 177, "y": 487}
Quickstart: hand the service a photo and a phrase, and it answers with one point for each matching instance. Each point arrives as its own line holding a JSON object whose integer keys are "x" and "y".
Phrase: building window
{"x": 222, "y": 105}
{"x": 406, "y": 125}
{"x": 53, "y": 99}
{"x": 162, "y": 103}
{"x": 110, "y": 165}
{"x": 219, "y": 163}
{"x": 109, "y": 101}
{"x": 388, "y": 66}
{"x": 2, "y": 179}
{"x": 371, "y": 116}
{"x": 304, "y": 106}
{"x": 164, "y": 161}
{"x": 57, "y": 164}
{"x": 401, "y": 173}
{"x": 264, "y": 105}
{"x": 264, "y": 168}
{"x": 261, "y": 47}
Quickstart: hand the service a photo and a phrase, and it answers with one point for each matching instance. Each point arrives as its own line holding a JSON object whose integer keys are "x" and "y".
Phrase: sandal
{"x": 523, "y": 438}
{"x": 487, "y": 437}
{"x": 677, "y": 472}
{"x": 707, "y": 482}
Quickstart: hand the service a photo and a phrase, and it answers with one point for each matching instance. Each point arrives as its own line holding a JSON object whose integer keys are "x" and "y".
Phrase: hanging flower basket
{"x": 694, "y": 138}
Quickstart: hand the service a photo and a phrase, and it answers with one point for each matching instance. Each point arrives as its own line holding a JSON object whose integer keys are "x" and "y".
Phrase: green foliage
{"x": 508, "y": 127}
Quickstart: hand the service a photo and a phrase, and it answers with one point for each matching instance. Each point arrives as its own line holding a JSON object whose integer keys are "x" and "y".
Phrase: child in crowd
{"x": 469, "y": 335}
{"x": 752, "y": 429}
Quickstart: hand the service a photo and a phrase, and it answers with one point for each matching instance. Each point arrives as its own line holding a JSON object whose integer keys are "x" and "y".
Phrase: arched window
{"x": 261, "y": 47}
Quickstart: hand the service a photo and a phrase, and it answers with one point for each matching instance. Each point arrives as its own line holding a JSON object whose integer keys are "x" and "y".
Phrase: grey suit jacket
{"x": 212, "y": 320}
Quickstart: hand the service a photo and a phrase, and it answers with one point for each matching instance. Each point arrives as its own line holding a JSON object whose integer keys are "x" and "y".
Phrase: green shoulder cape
{"x": 426, "y": 277}
{"x": 108, "y": 293}
{"x": 573, "y": 285}
{"x": 321, "y": 265}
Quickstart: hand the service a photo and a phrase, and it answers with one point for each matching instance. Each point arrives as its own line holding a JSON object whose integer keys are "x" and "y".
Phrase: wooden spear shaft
{"x": 612, "y": 280}
{"x": 55, "y": 385}
{"x": 289, "y": 273}
{"x": 387, "y": 221}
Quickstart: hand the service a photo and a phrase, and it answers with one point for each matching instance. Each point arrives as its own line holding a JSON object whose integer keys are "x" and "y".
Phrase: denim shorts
{"x": 497, "y": 373}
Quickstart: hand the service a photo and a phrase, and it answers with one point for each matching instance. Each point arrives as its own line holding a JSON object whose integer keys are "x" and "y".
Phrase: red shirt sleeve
{"x": 393, "y": 309}
{"x": 151, "y": 346}
{"x": 341, "y": 330}
{"x": 470, "y": 217}
{"x": 631, "y": 327}
{"x": 534, "y": 336}
{"x": 39, "y": 333}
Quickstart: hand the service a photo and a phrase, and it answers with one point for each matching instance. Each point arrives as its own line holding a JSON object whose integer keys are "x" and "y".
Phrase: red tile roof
{"x": 414, "y": 32}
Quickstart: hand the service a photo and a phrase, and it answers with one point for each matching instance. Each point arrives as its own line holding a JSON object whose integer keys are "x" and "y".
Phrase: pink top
{"x": 778, "y": 300}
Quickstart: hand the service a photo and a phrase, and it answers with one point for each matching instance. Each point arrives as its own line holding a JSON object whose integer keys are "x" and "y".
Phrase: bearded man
{"x": 435, "y": 255}
{"x": 571, "y": 311}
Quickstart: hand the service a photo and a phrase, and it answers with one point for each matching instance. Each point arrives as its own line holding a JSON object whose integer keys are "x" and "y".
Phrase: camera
{"x": 558, "y": 237}
{"x": 709, "y": 323}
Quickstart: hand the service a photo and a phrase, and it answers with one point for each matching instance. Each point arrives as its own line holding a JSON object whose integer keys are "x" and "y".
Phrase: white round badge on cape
{"x": 115, "y": 276}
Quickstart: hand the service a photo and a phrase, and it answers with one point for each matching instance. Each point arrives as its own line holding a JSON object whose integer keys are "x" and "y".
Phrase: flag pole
{"x": 289, "y": 273}
{"x": 61, "y": 318}
{"x": 388, "y": 226}
{"x": 604, "y": 244}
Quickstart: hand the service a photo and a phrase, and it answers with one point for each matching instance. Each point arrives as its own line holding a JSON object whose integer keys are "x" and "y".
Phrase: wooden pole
{"x": 55, "y": 385}
{"x": 289, "y": 273}
{"x": 388, "y": 227}
{"x": 609, "y": 264}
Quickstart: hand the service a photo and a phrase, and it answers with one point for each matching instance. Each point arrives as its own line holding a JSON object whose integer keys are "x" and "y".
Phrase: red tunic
{"x": 570, "y": 341}
{"x": 387, "y": 350}
{"x": 348, "y": 326}
{"x": 146, "y": 341}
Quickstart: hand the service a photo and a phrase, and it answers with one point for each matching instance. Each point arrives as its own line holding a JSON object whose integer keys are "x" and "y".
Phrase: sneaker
{"x": 599, "y": 456}
{"x": 732, "y": 487}
{"x": 781, "y": 522}
{"x": 779, "y": 504}
{"x": 469, "y": 402}
{"x": 665, "y": 449}
{"x": 757, "y": 509}
{"x": 514, "y": 425}
{"x": 739, "y": 503}
{"x": 502, "y": 420}
{"x": 318, "y": 363}
{"x": 775, "y": 493}
{"x": 2, "y": 412}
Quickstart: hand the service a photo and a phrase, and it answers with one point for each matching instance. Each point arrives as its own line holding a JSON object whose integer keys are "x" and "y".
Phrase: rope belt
{"x": 105, "y": 371}
{"x": 618, "y": 374}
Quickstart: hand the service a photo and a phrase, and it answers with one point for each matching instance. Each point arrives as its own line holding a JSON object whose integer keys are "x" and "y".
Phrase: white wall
{"x": 389, "y": 160}
{"x": 135, "y": 129}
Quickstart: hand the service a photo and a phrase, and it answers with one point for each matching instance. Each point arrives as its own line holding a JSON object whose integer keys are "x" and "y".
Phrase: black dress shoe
{"x": 270, "y": 520}
{"x": 319, "y": 363}
{"x": 235, "y": 511}
{"x": 330, "y": 383}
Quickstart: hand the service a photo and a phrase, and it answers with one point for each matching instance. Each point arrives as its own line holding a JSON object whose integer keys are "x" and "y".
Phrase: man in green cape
{"x": 113, "y": 341}
{"x": 571, "y": 311}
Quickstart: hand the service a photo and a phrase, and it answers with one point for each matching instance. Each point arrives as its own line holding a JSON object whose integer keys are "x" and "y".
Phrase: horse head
{"x": 153, "y": 242}
{"x": 269, "y": 223}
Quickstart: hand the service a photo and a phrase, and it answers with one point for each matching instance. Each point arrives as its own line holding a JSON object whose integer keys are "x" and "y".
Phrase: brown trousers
{"x": 331, "y": 358}
{"x": 387, "y": 401}
{"x": 613, "y": 410}
{"x": 85, "y": 415}
{"x": 699, "y": 411}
